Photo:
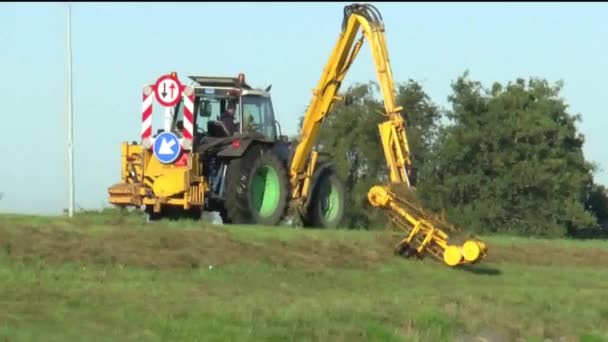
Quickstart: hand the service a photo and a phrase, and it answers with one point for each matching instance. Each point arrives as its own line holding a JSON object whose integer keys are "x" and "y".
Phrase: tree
{"x": 597, "y": 203}
{"x": 510, "y": 161}
{"x": 422, "y": 118}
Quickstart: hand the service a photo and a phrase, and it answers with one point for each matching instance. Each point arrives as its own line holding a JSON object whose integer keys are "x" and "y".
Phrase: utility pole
{"x": 69, "y": 115}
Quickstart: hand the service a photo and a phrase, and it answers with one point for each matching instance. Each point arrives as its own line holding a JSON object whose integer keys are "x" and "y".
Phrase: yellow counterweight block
{"x": 175, "y": 184}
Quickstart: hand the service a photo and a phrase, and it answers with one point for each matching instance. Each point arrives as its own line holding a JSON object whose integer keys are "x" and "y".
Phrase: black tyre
{"x": 236, "y": 206}
{"x": 256, "y": 188}
{"x": 151, "y": 216}
{"x": 326, "y": 206}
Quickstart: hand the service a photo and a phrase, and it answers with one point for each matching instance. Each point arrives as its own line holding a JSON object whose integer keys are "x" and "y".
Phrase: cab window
{"x": 258, "y": 115}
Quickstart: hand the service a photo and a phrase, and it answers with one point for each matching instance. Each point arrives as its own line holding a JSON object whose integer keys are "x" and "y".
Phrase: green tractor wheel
{"x": 326, "y": 206}
{"x": 256, "y": 188}
{"x": 265, "y": 191}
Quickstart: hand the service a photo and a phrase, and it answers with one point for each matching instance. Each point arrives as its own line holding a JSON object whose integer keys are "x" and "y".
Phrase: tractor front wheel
{"x": 326, "y": 206}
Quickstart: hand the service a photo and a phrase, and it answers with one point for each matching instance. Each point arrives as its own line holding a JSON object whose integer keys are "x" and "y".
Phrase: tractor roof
{"x": 219, "y": 82}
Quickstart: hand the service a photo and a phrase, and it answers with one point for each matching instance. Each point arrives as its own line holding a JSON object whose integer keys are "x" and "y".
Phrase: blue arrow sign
{"x": 166, "y": 147}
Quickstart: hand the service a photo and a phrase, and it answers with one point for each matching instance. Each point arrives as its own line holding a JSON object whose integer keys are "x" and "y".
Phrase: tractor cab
{"x": 252, "y": 111}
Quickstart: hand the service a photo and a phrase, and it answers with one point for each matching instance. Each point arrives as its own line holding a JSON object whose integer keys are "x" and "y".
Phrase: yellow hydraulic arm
{"x": 344, "y": 53}
{"x": 422, "y": 236}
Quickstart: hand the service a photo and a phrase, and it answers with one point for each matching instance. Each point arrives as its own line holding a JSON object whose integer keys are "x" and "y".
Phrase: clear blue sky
{"x": 117, "y": 48}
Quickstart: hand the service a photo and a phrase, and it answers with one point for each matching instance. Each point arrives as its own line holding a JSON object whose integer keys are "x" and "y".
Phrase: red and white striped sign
{"x": 146, "y": 117}
{"x": 152, "y": 91}
{"x": 188, "y": 117}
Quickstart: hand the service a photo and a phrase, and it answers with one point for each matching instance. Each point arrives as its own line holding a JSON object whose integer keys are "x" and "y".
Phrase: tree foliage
{"x": 597, "y": 203}
{"x": 510, "y": 161}
{"x": 422, "y": 119}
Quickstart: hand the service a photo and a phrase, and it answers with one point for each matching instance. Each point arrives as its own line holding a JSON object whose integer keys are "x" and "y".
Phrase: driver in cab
{"x": 227, "y": 118}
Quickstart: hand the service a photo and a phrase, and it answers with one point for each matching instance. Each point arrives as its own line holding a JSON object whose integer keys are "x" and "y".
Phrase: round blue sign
{"x": 166, "y": 147}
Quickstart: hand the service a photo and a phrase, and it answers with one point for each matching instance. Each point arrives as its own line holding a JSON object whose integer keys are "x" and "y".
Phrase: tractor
{"x": 241, "y": 173}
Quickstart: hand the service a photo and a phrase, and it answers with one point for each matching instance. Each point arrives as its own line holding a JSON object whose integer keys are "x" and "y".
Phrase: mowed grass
{"x": 109, "y": 277}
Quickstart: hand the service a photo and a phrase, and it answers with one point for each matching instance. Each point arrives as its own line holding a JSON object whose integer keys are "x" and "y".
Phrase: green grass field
{"x": 102, "y": 277}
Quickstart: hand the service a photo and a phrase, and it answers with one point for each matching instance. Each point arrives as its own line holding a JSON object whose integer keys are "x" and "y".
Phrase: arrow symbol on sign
{"x": 172, "y": 87}
{"x": 165, "y": 147}
{"x": 164, "y": 93}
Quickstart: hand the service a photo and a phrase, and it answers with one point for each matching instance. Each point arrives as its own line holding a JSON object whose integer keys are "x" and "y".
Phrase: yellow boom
{"x": 421, "y": 236}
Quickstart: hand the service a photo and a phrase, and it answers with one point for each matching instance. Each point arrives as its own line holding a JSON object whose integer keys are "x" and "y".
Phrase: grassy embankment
{"x": 108, "y": 277}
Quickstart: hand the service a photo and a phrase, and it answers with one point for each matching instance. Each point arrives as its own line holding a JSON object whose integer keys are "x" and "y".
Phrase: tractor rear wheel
{"x": 326, "y": 206}
{"x": 256, "y": 188}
